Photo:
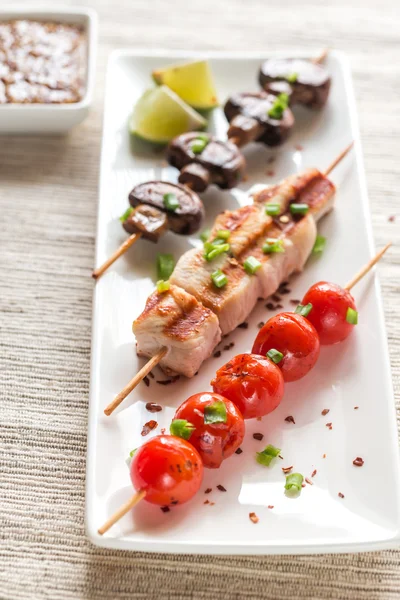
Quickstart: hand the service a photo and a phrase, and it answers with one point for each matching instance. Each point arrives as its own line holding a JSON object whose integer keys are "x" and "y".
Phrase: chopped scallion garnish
{"x": 213, "y": 250}
{"x": 126, "y": 214}
{"x": 219, "y": 278}
{"x": 303, "y": 310}
{"x": 279, "y": 106}
{"x": 165, "y": 266}
{"x": 267, "y": 455}
{"x": 272, "y": 209}
{"x": 299, "y": 209}
{"x": 251, "y": 265}
{"x": 171, "y": 202}
{"x": 273, "y": 245}
{"x": 205, "y": 235}
{"x": 162, "y": 286}
{"x": 181, "y": 428}
{"x": 131, "y": 455}
{"x": 319, "y": 246}
{"x": 293, "y": 483}
{"x": 275, "y": 355}
{"x": 197, "y": 146}
{"x": 223, "y": 234}
{"x": 352, "y": 316}
{"x": 291, "y": 78}
{"x": 215, "y": 412}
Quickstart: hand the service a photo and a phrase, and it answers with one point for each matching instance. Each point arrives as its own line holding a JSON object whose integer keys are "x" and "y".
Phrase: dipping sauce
{"x": 41, "y": 62}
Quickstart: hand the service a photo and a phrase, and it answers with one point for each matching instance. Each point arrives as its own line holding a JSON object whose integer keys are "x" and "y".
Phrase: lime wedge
{"x": 193, "y": 82}
{"x": 160, "y": 115}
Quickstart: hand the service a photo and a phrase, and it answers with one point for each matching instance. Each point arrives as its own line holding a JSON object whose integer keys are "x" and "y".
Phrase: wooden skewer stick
{"x": 145, "y": 370}
{"x": 321, "y": 57}
{"x": 338, "y": 159}
{"x": 119, "y": 252}
{"x": 136, "y": 498}
{"x": 367, "y": 267}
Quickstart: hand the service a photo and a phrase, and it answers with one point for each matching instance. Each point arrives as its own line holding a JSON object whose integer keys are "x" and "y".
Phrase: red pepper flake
{"x": 392, "y": 218}
{"x": 168, "y": 381}
{"x": 270, "y": 306}
{"x": 258, "y": 418}
{"x": 165, "y": 508}
{"x": 285, "y": 291}
{"x": 217, "y": 354}
{"x": 270, "y": 506}
{"x": 299, "y": 147}
{"x": 211, "y": 503}
{"x": 290, "y": 419}
{"x": 260, "y": 324}
{"x": 308, "y": 481}
{"x": 276, "y": 298}
{"x": 324, "y": 456}
{"x": 287, "y": 469}
{"x": 303, "y": 485}
{"x": 295, "y": 301}
{"x": 258, "y": 436}
{"x": 152, "y": 407}
{"x": 253, "y": 517}
{"x": 328, "y": 425}
{"x": 340, "y": 495}
{"x": 356, "y": 408}
{"x": 313, "y": 474}
{"x": 206, "y": 502}
{"x": 279, "y": 306}
{"x": 221, "y": 488}
{"x": 270, "y": 172}
{"x": 146, "y": 380}
{"x": 229, "y": 346}
{"x": 279, "y": 456}
{"x": 208, "y": 490}
{"x": 243, "y": 325}
{"x": 163, "y": 431}
{"x": 358, "y": 462}
{"x": 149, "y": 426}
{"x": 238, "y": 451}
{"x": 325, "y": 412}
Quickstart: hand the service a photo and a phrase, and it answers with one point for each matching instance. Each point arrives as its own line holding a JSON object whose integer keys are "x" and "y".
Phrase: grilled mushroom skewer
{"x": 157, "y": 206}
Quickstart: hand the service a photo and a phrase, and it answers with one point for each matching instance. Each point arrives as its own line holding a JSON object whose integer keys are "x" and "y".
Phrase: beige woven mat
{"x": 48, "y": 195}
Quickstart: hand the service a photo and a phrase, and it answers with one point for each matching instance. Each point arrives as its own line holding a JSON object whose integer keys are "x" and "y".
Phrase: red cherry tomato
{"x": 328, "y": 315}
{"x": 168, "y": 468}
{"x": 295, "y": 338}
{"x": 213, "y": 441}
{"x": 252, "y": 382}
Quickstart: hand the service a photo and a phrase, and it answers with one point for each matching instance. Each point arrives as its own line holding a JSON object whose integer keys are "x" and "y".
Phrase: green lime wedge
{"x": 160, "y": 115}
{"x": 193, "y": 82}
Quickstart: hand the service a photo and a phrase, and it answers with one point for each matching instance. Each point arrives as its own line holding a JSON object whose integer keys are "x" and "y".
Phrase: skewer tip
{"x": 367, "y": 267}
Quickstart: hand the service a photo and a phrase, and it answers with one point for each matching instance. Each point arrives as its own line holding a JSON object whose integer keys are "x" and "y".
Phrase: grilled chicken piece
{"x": 177, "y": 321}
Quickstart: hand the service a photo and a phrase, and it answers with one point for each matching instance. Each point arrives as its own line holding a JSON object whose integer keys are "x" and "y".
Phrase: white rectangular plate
{"x": 354, "y": 373}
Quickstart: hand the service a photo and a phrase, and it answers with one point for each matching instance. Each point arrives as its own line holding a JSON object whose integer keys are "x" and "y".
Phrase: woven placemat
{"x": 48, "y": 204}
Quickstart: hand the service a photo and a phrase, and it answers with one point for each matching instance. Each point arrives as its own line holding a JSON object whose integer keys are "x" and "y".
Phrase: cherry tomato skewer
{"x": 333, "y": 312}
{"x": 218, "y": 426}
{"x": 165, "y": 470}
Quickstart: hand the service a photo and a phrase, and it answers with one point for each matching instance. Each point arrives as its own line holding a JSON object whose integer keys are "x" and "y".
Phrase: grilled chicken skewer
{"x": 183, "y": 325}
{"x": 157, "y": 206}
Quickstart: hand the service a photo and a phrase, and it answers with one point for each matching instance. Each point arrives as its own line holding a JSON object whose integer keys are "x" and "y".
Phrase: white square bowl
{"x": 52, "y": 118}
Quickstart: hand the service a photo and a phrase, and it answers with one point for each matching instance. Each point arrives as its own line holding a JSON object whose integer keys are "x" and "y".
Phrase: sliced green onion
{"x": 223, "y": 234}
{"x": 279, "y": 106}
{"x": 299, "y": 209}
{"x": 205, "y": 235}
{"x": 219, "y": 278}
{"x": 162, "y": 286}
{"x": 251, "y": 265}
{"x": 303, "y": 310}
{"x": 267, "y": 455}
{"x": 126, "y": 214}
{"x": 198, "y": 144}
{"x": 171, "y": 202}
{"x": 132, "y": 452}
{"x": 275, "y": 355}
{"x": 213, "y": 250}
{"x": 352, "y": 316}
{"x": 215, "y": 413}
{"x": 291, "y": 78}
{"x": 129, "y": 459}
{"x": 319, "y": 246}
{"x": 181, "y": 428}
{"x": 273, "y": 246}
{"x": 203, "y": 136}
{"x": 165, "y": 266}
{"x": 293, "y": 482}
{"x": 272, "y": 209}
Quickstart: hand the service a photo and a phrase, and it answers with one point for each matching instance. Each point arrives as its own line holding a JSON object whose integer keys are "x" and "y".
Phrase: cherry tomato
{"x": 213, "y": 441}
{"x": 295, "y": 338}
{"x": 328, "y": 315}
{"x": 168, "y": 468}
{"x": 252, "y": 382}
